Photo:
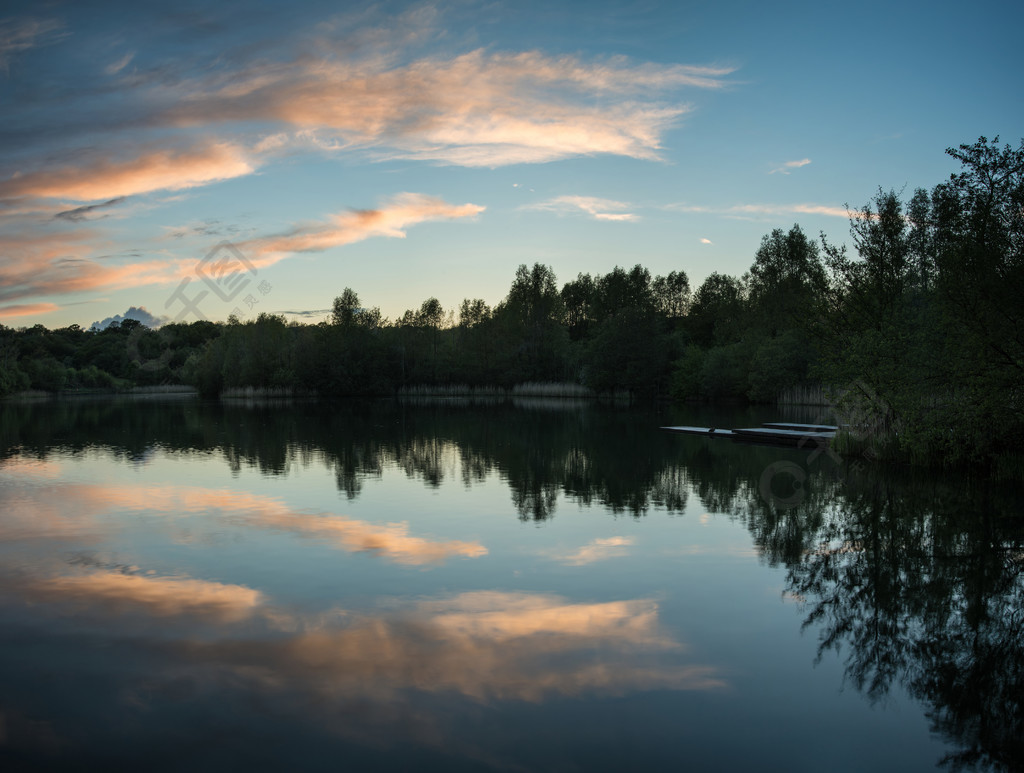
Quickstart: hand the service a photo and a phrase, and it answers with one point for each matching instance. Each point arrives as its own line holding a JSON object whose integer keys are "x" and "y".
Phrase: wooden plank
{"x": 710, "y": 431}
{"x": 782, "y": 436}
{"x": 800, "y": 427}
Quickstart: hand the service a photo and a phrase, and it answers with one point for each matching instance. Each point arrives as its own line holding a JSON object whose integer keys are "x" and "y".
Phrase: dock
{"x": 770, "y": 433}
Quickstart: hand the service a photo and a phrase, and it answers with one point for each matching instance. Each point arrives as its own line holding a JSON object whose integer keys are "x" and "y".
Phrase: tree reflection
{"x": 586, "y": 453}
{"x": 919, "y": 581}
{"x": 916, "y": 581}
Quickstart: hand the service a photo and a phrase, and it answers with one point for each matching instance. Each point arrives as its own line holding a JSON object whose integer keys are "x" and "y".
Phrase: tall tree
{"x": 785, "y": 278}
{"x": 672, "y": 294}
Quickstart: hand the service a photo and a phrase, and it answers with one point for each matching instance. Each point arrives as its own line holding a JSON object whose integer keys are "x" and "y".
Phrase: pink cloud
{"x": 106, "y": 178}
{"x": 57, "y": 263}
{"x": 477, "y": 109}
{"x": 391, "y": 220}
{"x": 61, "y": 262}
{"x": 27, "y": 309}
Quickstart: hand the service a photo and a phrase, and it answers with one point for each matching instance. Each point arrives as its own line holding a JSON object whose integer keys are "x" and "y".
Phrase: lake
{"x": 533, "y": 585}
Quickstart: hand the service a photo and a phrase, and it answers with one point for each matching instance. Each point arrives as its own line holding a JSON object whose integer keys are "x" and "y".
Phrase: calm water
{"x": 538, "y": 586}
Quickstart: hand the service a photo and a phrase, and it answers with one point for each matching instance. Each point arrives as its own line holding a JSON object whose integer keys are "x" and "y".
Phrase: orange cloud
{"x": 477, "y": 109}
{"x": 112, "y": 592}
{"x": 391, "y": 220}
{"x": 100, "y": 179}
{"x": 60, "y": 262}
{"x": 27, "y": 309}
{"x": 55, "y": 511}
{"x": 391, "y": 541}
{"x": 504, "y": 616}
{"x": 483, "y": 645}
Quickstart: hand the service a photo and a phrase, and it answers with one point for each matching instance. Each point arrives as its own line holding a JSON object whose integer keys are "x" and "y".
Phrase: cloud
{"x": 48, "y": 262}
{"x": 115, "y": 67}
{"x": 599, "y": 209}
{"x": 597, "y": 550}
{"x": 134, "y": 312}
{"x": 391, "y": 219}
{"x": 108, "y": 178}
{"x": 484, "y": 645}
{"x": 17, "y": 35}
{"x": 748, "y": 211}
{"x": 117, "y": 593}
{"x": 477, "y": 109}
{"x": 27, "y": 309}
{"x": 706, "y": 241}
{"x": 206, "y": 228}
{"x": 307, "y": 313}
{"x": 790, "y": 165}
{"x": 52, "y": 511}
{"x": 55, "y": 263}
{"x": 391, "y": 541}
{"x": 78, "y": 214}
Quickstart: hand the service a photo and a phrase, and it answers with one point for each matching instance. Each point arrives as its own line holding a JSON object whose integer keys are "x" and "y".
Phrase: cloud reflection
{"x": 37, "y": 511}
{"x": 114, "y": 593}
{"x": 597, "y": 550}
{"x": 493, "y": 646}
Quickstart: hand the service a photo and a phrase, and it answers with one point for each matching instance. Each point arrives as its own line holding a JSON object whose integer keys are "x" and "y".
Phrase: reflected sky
{"x": 475, "y": 590}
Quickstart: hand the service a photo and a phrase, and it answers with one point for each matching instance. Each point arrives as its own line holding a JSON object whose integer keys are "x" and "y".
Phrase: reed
{"x": 451, "y": 390}
{"x": 803, "y": 395}
{"x": 250, "y": 392}
{"x": 162, "y": 389}
{"x": 551, "y": 389}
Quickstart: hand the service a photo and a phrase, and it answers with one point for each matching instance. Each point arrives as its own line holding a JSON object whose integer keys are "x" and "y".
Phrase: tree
{"x": 785, "y": 278}
{"x": 578, "y": 298}
{"x": 716, "y": 311}
{"x": 619, "y": 290}
{"x": 534, "y": 297}
{"x": 672, "y": 294}
{"x": 473, "y": 312}
{"x": 346, "y": 308}
{"x": 531, "y": 324}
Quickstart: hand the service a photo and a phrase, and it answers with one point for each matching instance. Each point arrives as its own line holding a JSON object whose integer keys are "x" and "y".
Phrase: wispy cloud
{"x": 599, "y": 209}
{"x": 115, "y": 67}
{"x": 51, "y": 262}
{"x": 17, "y": 35}
{"x": 751, "y": 211}
{"x": 108, "y": 177}
{"x": 53, "y": 510}
{"x": 390, "y": 219}
{"x": 597, "y": 550}
{"x": 706, "y": 241}
{"x": 86, "y": 212}
{"x": 477, "y": 109}
{"x": 48, "y": 263}
{"x": 116, "y": 592}
{"x": 789, "y": 166}
{"x": 27, "y": 309}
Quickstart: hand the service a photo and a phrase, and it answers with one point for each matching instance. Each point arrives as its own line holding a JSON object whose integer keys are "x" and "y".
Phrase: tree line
{"x": 915, "y": 333}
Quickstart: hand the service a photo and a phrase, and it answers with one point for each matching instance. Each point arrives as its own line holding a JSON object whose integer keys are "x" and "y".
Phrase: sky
{"x": 196, "y": 160}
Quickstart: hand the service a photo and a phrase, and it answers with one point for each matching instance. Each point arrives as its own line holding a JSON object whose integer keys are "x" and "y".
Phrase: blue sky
{"x": 410, "y": 150}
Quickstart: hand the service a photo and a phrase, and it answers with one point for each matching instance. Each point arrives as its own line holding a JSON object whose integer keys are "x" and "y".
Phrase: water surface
{"x": 530, "y": 586}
